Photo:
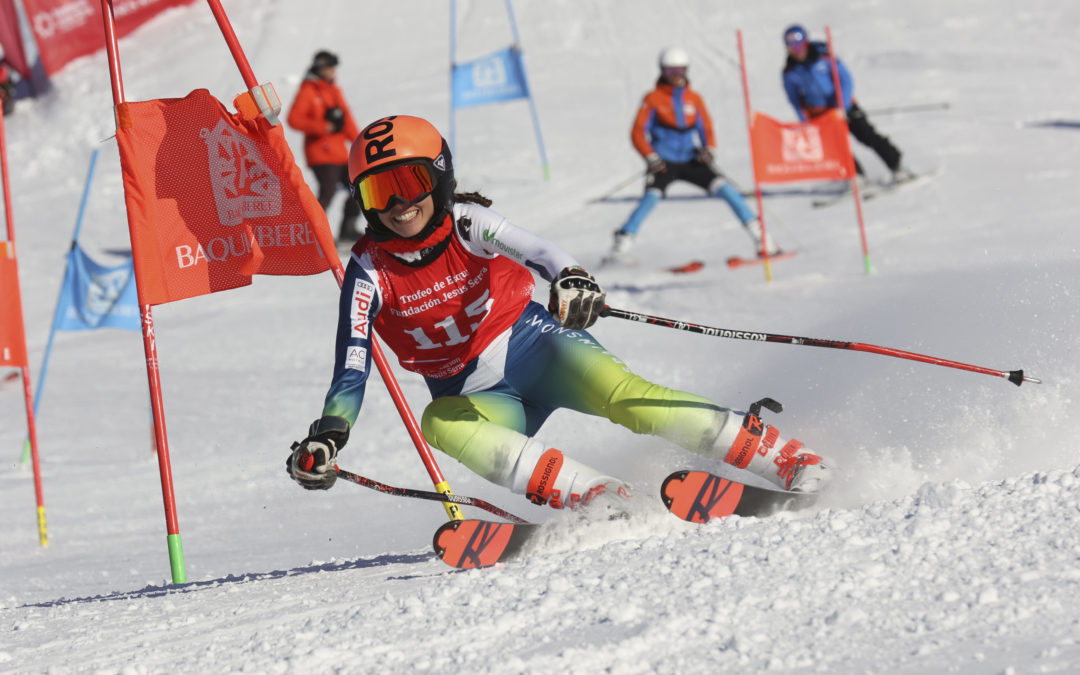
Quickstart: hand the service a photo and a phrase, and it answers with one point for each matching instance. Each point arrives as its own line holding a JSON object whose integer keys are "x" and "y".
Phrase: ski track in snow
{"x": 950, "y": 542}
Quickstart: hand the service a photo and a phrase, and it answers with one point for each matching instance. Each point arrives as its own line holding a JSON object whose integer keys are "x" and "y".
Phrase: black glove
{"x": 654, "y": 164}
{"x": 313, "y": 460}
{"x": 336, "y": 117}
{"x": 576, "y": 298}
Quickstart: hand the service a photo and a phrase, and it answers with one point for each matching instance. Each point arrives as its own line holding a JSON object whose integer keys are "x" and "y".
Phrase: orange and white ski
{"x": 699, "y": 496}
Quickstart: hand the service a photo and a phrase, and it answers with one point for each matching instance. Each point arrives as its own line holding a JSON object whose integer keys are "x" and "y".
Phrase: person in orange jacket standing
{"x": 319, "y": 110}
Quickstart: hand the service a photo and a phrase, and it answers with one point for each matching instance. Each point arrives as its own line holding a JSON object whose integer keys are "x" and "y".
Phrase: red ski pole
{"x": 1017, "y": 377}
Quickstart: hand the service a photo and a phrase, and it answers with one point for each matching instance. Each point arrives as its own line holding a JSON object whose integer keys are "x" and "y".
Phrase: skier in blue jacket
{"x": 808, "y": 82}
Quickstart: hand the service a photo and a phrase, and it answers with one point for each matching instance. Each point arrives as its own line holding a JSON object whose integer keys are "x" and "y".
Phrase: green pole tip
{"x": 176, "y": 559}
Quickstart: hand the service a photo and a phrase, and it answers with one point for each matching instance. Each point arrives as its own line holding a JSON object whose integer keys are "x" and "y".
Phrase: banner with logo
{"x": 213, "y": 198}
{"x": 499, "y": 76}
{"x": 785, "y": 152}
{"x": 12, "y": 335}
{"x": 94, "y": 296}
{"x": 68, "y": 29}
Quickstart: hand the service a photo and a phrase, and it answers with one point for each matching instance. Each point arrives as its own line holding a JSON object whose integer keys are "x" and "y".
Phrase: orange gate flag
{"x": 785, "y": 152}
{"x": 12, "y": 337}
{"x": 214, "y": 197}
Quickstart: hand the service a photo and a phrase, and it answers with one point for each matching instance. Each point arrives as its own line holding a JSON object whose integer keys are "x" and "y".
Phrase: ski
{"x": 692, "y": 266}
{"x": 735, "y": 262}
{"x": 468, "y": 544}
{"x": 874, "y": 190}
{"x": 698, "y": 497}
{"x": 694, "y": 496}
{"x": 612, "y": 264}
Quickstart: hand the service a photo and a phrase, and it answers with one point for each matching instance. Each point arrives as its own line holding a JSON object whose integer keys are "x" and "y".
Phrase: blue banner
{"x": 94, "y": 296}
{"x": 499, "y": 76}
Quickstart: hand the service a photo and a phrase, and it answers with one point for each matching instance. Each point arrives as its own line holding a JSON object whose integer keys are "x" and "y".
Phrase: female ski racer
{"x": 447, "y": 283}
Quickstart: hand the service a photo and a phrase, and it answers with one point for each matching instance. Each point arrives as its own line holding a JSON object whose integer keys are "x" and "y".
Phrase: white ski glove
{"x": 576, "y": 298}
{"x": 312, "y": 461}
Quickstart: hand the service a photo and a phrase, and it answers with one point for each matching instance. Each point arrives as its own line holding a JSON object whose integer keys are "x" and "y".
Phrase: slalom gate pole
{"x": 525, "y": 83}
{"x": 7, "y": 249}
{"x": 753, "y": 165}
{"x": 153, "y": 371}
{"x": 1017, "y": 377}
{"x": 833, "y": 62}
{"x": 377, "y": 355}
{"x": 426, "y": 494}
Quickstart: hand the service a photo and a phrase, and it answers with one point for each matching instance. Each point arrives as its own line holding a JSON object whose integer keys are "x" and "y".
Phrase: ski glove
{"x": 654, "y": 164}
{"x": 314, "y": 459}
{"x": 576, "y": 298}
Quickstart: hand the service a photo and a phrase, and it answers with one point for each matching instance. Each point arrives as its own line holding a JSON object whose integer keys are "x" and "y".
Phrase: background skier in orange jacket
{"x": 319, "y": 110}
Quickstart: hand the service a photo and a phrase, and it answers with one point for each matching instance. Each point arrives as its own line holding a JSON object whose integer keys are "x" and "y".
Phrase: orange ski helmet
{"x": 384, "y": 146}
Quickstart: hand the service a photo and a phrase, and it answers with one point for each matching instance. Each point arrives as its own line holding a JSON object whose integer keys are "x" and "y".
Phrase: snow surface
{"x": 950, "y": 544}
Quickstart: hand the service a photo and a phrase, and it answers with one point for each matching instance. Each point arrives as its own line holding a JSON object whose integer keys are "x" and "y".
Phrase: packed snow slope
{"x": 951, "y": 540}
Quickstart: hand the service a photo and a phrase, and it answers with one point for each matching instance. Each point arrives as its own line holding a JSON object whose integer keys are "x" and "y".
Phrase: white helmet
{"x": 673, "y": 57}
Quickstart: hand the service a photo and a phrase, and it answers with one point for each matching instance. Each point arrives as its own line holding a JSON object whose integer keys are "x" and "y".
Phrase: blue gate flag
{"x": 95, "y": 296}
{"x": 499, "y": 76}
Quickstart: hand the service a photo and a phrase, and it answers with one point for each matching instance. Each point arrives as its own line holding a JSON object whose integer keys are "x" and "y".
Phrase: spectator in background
{"x": 320, "y": 112}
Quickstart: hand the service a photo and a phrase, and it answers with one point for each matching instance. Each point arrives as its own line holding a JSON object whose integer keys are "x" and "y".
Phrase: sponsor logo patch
{"x": 363, "y": 296}
{"x": 356, "y": 358}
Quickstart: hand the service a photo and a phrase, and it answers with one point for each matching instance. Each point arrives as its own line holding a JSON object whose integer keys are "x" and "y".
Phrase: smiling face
{"x": 408, "y": 220}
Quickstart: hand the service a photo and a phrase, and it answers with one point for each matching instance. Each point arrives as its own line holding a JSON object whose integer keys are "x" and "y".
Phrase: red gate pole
{"x": 153, "y": 372}
{"x": 753, "y": 165}
{"x": 847, "y": 142}
{"x": 9, "y": 250}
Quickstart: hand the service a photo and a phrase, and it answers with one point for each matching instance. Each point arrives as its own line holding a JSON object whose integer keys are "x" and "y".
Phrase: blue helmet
{"x": 795, "y": 35}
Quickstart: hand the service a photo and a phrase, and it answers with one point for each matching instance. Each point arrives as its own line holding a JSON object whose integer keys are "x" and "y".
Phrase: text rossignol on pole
{"x": 1017, "y": 377}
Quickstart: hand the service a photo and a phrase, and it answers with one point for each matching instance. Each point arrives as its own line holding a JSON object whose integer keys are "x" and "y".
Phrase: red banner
{"x": 68, "y": 29}
{"x": 800, "y": 151}
{"x": 12, "y": 335}
{"x": 213, "y": 198}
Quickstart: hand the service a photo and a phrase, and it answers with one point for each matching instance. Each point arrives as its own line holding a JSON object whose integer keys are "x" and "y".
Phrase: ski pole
{"x": 915, "y": 107}
{"x": 446, "y": 497}
{"x": 631, "y": 179}
{"x": 1017, "y": 377}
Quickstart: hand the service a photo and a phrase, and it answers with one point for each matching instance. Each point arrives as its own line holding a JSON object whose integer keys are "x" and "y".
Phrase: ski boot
{"x": 759, "y": 449}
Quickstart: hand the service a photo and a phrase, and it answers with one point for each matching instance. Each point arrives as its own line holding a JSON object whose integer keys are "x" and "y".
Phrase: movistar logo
{"x": 489, "y": 236}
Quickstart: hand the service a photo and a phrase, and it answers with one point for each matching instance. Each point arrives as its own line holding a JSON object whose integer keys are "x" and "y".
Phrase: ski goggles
{"x": 795, "y": 38}
{"x": 408, "y": 183}
{"x": 673, "y": 71}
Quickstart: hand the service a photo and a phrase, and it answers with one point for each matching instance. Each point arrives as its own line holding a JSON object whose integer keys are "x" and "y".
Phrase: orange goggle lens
{"x": 408, "y": 182}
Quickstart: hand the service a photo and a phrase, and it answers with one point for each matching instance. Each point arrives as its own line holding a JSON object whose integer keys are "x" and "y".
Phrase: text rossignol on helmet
{"x": 673, "y": 57}
{"x": 396, "y": 141}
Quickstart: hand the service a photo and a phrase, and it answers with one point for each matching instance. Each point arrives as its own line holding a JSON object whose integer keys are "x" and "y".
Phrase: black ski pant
{"x": 865, "y": 133}
{"x": 329, "y": 177}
